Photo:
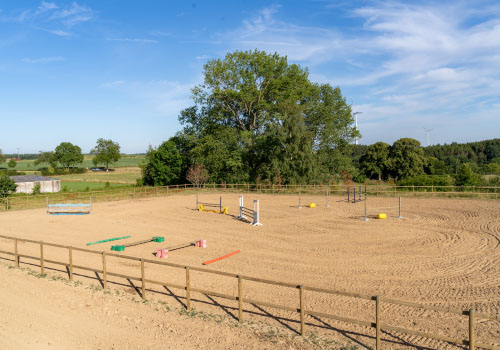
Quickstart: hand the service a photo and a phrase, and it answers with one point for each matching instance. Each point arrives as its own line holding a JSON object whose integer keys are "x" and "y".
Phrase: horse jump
{"x": 253, "y": 213}
{"x": 69, "y": 208}
{"x": 200, "y": 206}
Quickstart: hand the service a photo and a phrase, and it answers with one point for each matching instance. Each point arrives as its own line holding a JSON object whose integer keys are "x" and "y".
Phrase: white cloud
{"x": 112, "y": 84}
{"x": 167, "y": 98}
{"x": 301, "y": 43}
{"x": 50, "y": 17}
{"x": 407, "y": 63}
{"x": 43, "y": 59}
{"x": 135, "y": 40}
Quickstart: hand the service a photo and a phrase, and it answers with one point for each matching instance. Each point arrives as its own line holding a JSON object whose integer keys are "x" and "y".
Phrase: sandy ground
{"x": 443, "y": 252}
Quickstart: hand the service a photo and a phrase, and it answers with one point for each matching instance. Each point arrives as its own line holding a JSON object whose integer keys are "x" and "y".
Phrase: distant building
{"x": 26, "y": 183}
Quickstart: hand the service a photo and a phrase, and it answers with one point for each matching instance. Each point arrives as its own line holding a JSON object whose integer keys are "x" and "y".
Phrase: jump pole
{"x": 108, "y": 240}
{"x": 221, "y": 257}
{"x": 399, "y": 216}
{"x": 120, "y": 248}
{"x": 354, "y": 194}
{"x": 299, "y": 202}
{"x": 327, "y": 199}
{"x": 348, "y": 191}
{"x": 366, "y": 215}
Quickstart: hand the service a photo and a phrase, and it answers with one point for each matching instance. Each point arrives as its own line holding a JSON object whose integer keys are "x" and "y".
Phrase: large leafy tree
{"x": 375, "y": 162}
{"x": 68, "y": 154}
{"x": 106, "y": 152}
{"x": 257, "y": 116}
{"x": 407, "y": 158}
{"x": 163, "y": 165}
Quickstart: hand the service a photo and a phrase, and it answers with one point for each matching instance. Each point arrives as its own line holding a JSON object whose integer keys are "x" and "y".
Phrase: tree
{"x": 254, "y": 100}
{"x": 197, "y": 175}
{"x": 163, "y": 165}
{"x": 46, "y": 158}
{"x": 12, "y": 163}
{"x": 7, "y": 186}
{"x": 68, "y": 154}
{"x": 466, "y": 176}
{"x": 2, "y": 157}
{"x": 375, "y": 162}
{"x": 106, "y": 152}
{"x": 407, "y": 158}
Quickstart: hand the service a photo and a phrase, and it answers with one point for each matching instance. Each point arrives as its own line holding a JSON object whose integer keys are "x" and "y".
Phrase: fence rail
{"x": 302, "y": 289}
{"x": 39, "y": 201}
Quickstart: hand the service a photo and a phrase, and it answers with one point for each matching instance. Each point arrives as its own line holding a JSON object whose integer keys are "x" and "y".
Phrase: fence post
{"x": 188, "y": 290}
{"x": 302, "y": 314}
{"x": 70, "y": 251}
{"x": 42, "y": 269}
{"x": 471, "y": 329}
{"x": 16, "y": 255}
{"x": 377, "y": 323}
{"x": 240, "y": 299}
{"x": 104, "y": 274}
{"x": 143, "y": 288}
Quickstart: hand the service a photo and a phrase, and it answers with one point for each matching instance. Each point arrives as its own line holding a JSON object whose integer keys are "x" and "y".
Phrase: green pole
{"x": 108, "y": 240}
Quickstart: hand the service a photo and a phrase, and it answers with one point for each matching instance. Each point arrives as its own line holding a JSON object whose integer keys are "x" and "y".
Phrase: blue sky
{"x": 80, "y": 70}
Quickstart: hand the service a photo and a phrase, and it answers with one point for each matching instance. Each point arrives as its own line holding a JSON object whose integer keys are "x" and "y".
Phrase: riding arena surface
{"x": 444, "y": 252}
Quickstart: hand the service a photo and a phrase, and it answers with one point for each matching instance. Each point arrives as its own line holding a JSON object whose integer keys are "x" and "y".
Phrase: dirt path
{"x": 444, "y": 252}
{"x": 49, "y": 313}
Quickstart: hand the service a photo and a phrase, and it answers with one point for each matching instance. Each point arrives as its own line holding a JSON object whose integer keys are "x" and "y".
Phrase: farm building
{"x": 26, "y": 183}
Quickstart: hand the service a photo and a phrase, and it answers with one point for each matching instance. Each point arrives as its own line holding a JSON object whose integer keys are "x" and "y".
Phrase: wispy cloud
{"x": 135, "y": 40}
{"x": 51, "y": 17}
{"x": 166, "y": 97}
{"x": 44, "y": 59}
{"x": 112, "y": 84}
{"x": 412, "y": 62}
{"x": 300, "y": 43}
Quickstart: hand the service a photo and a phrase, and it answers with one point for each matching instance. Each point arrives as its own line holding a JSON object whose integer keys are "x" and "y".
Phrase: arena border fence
{"x": 28, "y": 201}
{"x": 303, "y": 312}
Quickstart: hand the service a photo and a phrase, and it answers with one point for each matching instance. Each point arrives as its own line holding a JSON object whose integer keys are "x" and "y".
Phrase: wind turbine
{"x": 355, "y": 114}
{"x": 427, "y": 131}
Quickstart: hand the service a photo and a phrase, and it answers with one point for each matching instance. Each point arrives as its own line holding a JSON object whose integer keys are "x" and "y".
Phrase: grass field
{"x": 125, "y": 175}
{"x": 125, "y": 161}
{"x": 80, "y": 186}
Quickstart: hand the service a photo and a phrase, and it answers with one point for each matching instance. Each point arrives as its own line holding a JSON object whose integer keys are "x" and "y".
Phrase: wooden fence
{"x": 240, "y": 298}
{"x": 39, "y": 201}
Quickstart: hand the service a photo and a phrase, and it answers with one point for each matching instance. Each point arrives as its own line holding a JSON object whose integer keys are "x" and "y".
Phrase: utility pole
{"x": 17, "y": 152}
{"x": 356, "y": 123}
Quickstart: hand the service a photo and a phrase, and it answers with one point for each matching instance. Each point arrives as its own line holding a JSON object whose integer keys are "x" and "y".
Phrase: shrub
{"x": 37, "y": 188}
{"x": 428, "y": 180}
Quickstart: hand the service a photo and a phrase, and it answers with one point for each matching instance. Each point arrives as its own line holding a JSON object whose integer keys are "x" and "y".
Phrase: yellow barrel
{"x": 382, "y": 216}
{"x": 312, "y": 205}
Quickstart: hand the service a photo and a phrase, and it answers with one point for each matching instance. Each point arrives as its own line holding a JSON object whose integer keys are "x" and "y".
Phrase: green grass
{"x": 129, "y": 177}
{"x": 125, "y": 161}
{"x": 81, "y": 186}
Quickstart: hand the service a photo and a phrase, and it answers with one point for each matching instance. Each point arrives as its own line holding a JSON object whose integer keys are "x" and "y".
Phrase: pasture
{"x": 445, "y": 252}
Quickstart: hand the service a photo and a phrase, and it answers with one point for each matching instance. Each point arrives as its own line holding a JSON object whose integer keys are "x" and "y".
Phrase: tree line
{"x": 67, "y": 155}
